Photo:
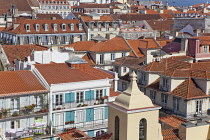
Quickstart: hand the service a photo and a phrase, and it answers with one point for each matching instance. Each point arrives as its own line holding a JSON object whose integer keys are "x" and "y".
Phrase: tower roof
{"x": 133, "y": 98}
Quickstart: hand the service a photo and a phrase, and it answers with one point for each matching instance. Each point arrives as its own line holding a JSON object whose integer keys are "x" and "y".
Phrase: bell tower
{"x": 133, "y": 116}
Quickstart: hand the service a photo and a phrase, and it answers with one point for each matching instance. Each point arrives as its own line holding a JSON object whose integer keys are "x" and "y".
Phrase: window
{"x": 117, "y": 128}
{"x": 27, "y": 27}
{"x": 59, "y": 99}
{"x": 112, "y": 56}
{"x": 165, "y": 81}
{"x": 99, "y": 94}
{"x": 80, "y": 26}
{"x": 176, "y": 104}
{"x": 124, "y": 69}
{"x": 64, "y": 27}
{"x": 124, "y": 86}
{"x": 123, "y": 54}
{"x": 38, "y": 100}
{"x": 143, "y": 78}
{"x": 205, "y": 49}
{"x": 37, "y": 27}
{"x": 15, "y": 103}
{"x": 15, "y": 124}
{"x": 55, "y": 27}
{"x": 99, "y": 26}
{"x": 142, "y": 129}
{"x": 152, "y": 95}
{"x": 72, "y": 26}
{"x": 101, "y": 57}
{"x": 198, "y": 109}
{"x": 91, "y": 35}
{"x": 164, "y": 98}
{"x": 46, "y": 27}
{"x": 80, "y": 97}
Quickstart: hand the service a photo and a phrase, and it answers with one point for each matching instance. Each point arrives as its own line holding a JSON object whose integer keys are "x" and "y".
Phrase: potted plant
{"x": 59, "y": 108}
{"x": 79, "y": 105}
{"x": 84, "y": 105}
{"x": 14, "y": 114}
{"x": 71, "y": 121}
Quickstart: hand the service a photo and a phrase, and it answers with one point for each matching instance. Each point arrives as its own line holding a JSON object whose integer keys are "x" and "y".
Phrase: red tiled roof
{"x": 2, "y": 28}
{"x": 85, "y": 5}
{"x": 172, "y": 121}
{"x": 171, "y": 134}
{"x": 113, "y": 93}
{"x": 87, "y": 57}
{"x": 19, "y": 82}
{"x": 160, "y": 25}
{"x": 62, "y": 73}
{"x": 21, "y": 29}
{"x": 102, "y": 18}
{"x": 48, "y": 16}
{"x": 114, "y": 44}
{"x": 188, "y": 89}
{"x": 20, "y": 52}
{"x": 76, "y": 134}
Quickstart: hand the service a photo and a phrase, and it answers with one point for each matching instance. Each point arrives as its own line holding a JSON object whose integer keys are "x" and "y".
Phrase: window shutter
{"x": 68, "y": 113}
{"x": 91, "y": 94}
{"x": 67, "y": 97}
{"x": 104, "y": 92}
{"x": 72, "y": 115}
{"x": 89, "y": 114}
{"x": 87, "y": 95}
{"x": 72, "y": 97}
{"x": 106, "y": 112}
{"x": 91, "y": 133}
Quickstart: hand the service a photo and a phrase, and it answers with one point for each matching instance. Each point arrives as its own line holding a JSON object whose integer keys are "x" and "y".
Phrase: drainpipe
{"x": 115, "y": 81}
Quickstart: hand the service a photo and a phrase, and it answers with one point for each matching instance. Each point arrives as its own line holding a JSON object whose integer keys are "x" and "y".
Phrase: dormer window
{"x": 27, "y": 27}
{"x": 46, "y": 27}
{"x": 72, "y": 26}
{"x": 55, "y": 27}
{"x": 99, "y": 26}
{"x": 80, "y": 26}
{"x": 205, "y": 49}
{"x": 107, "y": 26}
{"x": 37, "y": 27}
{"x": 63, "y": 26}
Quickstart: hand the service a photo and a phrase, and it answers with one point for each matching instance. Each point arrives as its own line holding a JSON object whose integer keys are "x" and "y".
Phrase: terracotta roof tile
{"x": 21, "y": 28}
{"x": 113, "y": 93}
{"x": 76, "y": 134}
{"x": 63, "y": 73}
{"x": 167, "y": 16}
{"x": 48, "y": 16}
{"x": 127, "y": 61}
{"x": 19, "y": 82}
{"x": 20, "y": 52}
{"x": 188, "y": 89}
{"x": 87, "y": 57}
{"x": 172, "y": 121}
{"x": 114, "y": 44}
{"x": 160, "y": 25}
{"x": 136, "y": 17}
{"x": 80, "y": 45}
{"x": 171, "y": 134}
{"x": 85, "y": 5}
{"x": 102, "y": 18}
{"x": 155, "y": 84}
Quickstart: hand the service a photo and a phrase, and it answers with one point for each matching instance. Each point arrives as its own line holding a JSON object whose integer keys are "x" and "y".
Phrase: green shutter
{"x": 69, "y": 116}
{"x": 67, "y": 97}
{"x": 104, "y": 92}
{"x": 87, "y": 95}
{"x": 68, "y": 113}
{"x": 91, "y": 94}
{"x": 91, "y": 133}
{"x": 106, "y": 112}
{"x": 89, "y": 114}
{"x": 72, "y": 97}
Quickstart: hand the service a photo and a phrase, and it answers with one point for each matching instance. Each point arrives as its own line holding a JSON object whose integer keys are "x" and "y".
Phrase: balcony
{"x": 106, "y": 62}
{"x": 23, "y": 111}
{"x": 164, "y": 88}
{"x": 83, "y": 126}
{"x": 84, "y": 103}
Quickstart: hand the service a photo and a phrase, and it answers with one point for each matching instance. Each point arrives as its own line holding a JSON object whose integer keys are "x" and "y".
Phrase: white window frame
{"x": 55, "y": 27}
{"x": 15, "y": 124}
{"x": 112, "y": 56}
{"x": 46, "y": 27}
{"x": 37, "y": 27}
{"x": 205, "y": 49}
{"x": 63, "y": 27}
{"x": 175, "y": 104}
{"x": 152, "y": 95}
{"x": 28, "y": 27}
{"x": 80, "y": 96}
{"x": 164, "y": 98}
{"x": 59, "y": 99}
{"x": 99, "y": 93}
{"x": 15, "y": 103}
{"x": 198, "y": 106}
